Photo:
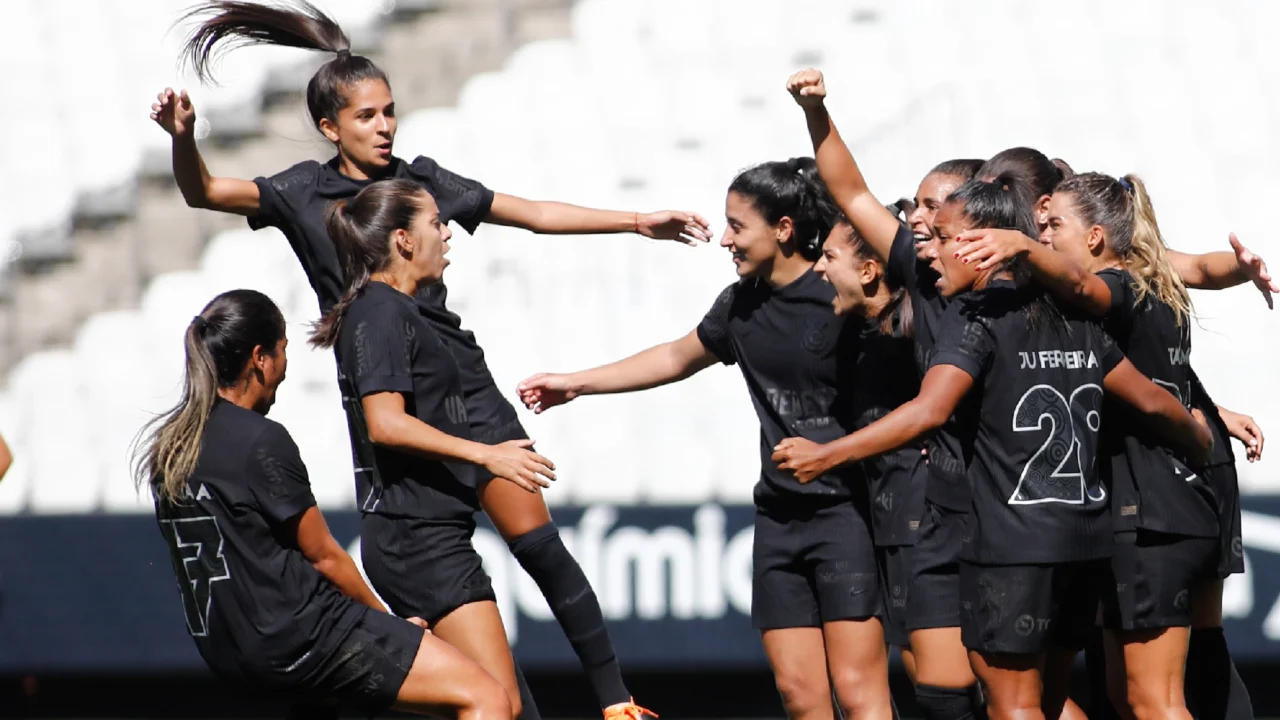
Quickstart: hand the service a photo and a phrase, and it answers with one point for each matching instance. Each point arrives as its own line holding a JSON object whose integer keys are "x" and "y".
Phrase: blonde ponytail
{"x": 1148, "y": 258}
{"x": 167, "y": 456}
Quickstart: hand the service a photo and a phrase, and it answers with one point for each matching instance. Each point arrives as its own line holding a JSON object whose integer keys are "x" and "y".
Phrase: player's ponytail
{"x": 1122, "y": 208}
{"x": 219, "y": 344}
{"x": 1148, "y": 261}
{"x": 361, "y": 231}
{"x": 291, "y": 23}
{"x": 790, "y": 189}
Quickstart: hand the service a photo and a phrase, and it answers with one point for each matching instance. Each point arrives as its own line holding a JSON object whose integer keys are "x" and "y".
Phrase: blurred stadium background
{"x": 635, "y": 104}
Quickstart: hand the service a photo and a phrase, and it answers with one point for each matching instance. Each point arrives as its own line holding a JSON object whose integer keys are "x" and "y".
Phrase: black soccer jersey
{"x": 798, "y": 359}
{"x": 945, "y": 486}
{"x": 1150, "y": 487}
{"x": 295, "y": 201}
{"x": 254, "y": 605}
{"x": 386, "y": 346}
{"x": 1038, "y": 385}
{"x": 885, "y": 378}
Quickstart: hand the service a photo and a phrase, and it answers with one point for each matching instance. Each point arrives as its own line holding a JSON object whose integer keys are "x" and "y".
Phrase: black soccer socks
{"x": 1214, "y": 689}
{"x": 940, "y": 703}
{"x": 543, "y": 555}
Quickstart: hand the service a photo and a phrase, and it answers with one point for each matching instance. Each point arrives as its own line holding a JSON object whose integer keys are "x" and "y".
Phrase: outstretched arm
{"x": 988, "y": 248}
{"x": 659, "y": 365}
{"x": 177, "y": 116}
{"x": 941, "y": 391}
{"x": 555, "y": 218}
{"x": 837, "y": 168}
{"x": 1165, "y": 413}
{"x": 1219, "y": 270}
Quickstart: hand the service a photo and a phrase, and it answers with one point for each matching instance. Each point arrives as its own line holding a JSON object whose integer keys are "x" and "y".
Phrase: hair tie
{"x": 1128, "y": 186}
{"x": 201, "y": 324}
{"x": 344, "y": 52}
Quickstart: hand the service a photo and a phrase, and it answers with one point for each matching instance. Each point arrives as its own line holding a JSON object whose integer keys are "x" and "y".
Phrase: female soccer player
{"x": 1040, "y": 526}
{"x": 1109, "y": 257}
{"x": 270, "y": 597}
{"x": 885, "y": 377}
{"x": 350, "y": 102}
{"x": 945, "y": 685}
{"x": 417, "y": 492}
{"x": 814, "y": 592}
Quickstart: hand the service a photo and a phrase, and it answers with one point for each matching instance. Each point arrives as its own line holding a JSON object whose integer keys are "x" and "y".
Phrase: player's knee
{"x": 860, "y": 692}
{"x": 1154, "y": 700}
{"x": 801, "y": 693}
{"x": 514, "y": 705}
{"x": 491, "y": 706}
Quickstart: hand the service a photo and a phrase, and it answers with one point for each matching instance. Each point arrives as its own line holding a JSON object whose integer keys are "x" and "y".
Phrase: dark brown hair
{"x": 219, "y": 342}
{"x": 291, "y": 23}
{"x": 361, "y": 230}
{"x": 1035, "y": 172}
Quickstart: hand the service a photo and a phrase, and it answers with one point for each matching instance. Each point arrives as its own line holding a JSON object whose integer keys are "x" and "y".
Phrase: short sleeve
{"x": 277, "y": 477}
{"x": 1108, "y": 352}
{"x": 713, "y": 331}
{"x": 901, "y": 265}
{"x": 380, "y": 348}
{"x": 461, "y": 200}
{"x": 965, "y": 342}
{"x": 1122, "y": 297}
{"x": 277, "y": 195}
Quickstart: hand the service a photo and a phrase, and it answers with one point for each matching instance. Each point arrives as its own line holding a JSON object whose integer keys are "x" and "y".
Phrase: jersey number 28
{"x": 1062, "y": 470}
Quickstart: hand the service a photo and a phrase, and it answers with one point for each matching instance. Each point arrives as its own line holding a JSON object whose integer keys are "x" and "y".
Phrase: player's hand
{"x": 544, "y": 391}
{"x": 987, "y": 248}
{"x": 807, "y": 88}
{"x": 686, "y": 227}
{"x": 806, "y": 459}
{"x": 1246, "y": 430}
{"x": 419, "y": 622}
{"x": 1256, "y": 269}
{"x": 515, "y": 462}
{"x": 174, "y": 112}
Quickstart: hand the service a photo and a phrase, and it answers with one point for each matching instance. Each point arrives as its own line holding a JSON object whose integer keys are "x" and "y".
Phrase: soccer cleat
{"x": 627, "y": 711}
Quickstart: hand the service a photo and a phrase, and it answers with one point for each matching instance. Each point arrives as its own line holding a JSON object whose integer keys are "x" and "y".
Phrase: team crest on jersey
{"x": 817, "y": 338}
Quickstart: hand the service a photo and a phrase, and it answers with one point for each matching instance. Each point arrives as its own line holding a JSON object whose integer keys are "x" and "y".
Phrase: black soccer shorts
{"x": 813, "y": 565}
{"x": 1156, "y": 575}
{"x": 423, "y": 568}
{"x": 1030, "y": 609}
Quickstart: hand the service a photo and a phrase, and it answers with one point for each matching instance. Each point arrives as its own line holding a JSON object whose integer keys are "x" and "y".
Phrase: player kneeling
{"x": 270, "y": 597}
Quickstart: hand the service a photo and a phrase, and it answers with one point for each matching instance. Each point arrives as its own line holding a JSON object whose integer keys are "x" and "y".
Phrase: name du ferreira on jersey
{"x": 1079, "y": 359}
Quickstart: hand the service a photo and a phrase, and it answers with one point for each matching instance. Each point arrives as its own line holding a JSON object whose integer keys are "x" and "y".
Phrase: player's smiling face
{"x": 749, "y": 237}
{"x": 1067, "y": 232}
{"x": 954, "y": 276}
{"x": 932, "y": 193}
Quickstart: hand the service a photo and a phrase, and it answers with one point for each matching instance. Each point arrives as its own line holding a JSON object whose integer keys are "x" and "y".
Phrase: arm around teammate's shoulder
{"x": 175, "y": 113}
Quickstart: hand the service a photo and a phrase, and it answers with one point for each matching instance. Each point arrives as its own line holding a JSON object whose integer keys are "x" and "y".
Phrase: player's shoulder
{"x": 296, "y": 178}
